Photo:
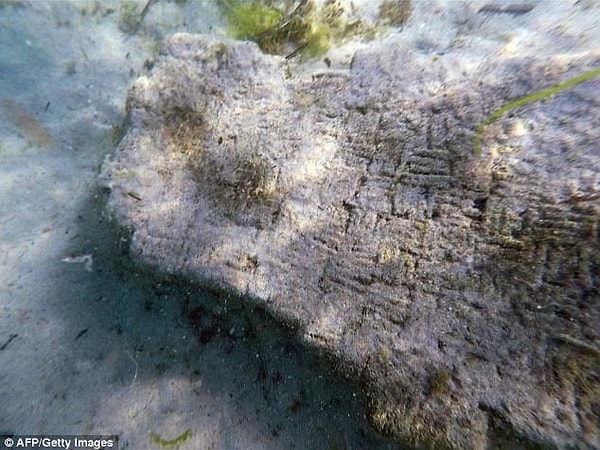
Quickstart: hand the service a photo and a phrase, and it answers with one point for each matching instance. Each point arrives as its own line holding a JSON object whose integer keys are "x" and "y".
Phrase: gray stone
{"x": 460, "y": 291}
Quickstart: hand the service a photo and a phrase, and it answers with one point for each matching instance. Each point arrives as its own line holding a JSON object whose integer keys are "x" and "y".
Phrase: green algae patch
{"x": 496, "y": 114}
{"x": 247, "y": 20}
{"x": 305, "y": 29}
{"x": 172, "y": 443}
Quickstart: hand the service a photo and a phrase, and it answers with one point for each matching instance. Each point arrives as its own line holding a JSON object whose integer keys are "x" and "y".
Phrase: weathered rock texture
{"x": 461, "y": 291}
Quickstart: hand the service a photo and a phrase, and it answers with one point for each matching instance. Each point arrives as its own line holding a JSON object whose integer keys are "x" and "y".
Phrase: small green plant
{"x": 173, "y": 443}
{"x": 131, "y": 15}
{"x": 495, "y": 115}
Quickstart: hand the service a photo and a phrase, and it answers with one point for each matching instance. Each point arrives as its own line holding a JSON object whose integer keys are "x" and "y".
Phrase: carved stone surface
{"x": 461, "y": 291}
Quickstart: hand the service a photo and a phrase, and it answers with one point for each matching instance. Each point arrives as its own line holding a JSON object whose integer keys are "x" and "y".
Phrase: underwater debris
{"x": 8, "y": 341}
{"x": 132, "y": 14}
{"x": 86, "y": 260}
{"x": 500, "y": 8}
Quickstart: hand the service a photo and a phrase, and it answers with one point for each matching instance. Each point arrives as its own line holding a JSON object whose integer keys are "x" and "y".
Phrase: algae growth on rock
{"x": 306, "y": 27}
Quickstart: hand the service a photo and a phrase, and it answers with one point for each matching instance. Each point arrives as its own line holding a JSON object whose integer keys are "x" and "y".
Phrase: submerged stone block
{"x": 460, "y": 291}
